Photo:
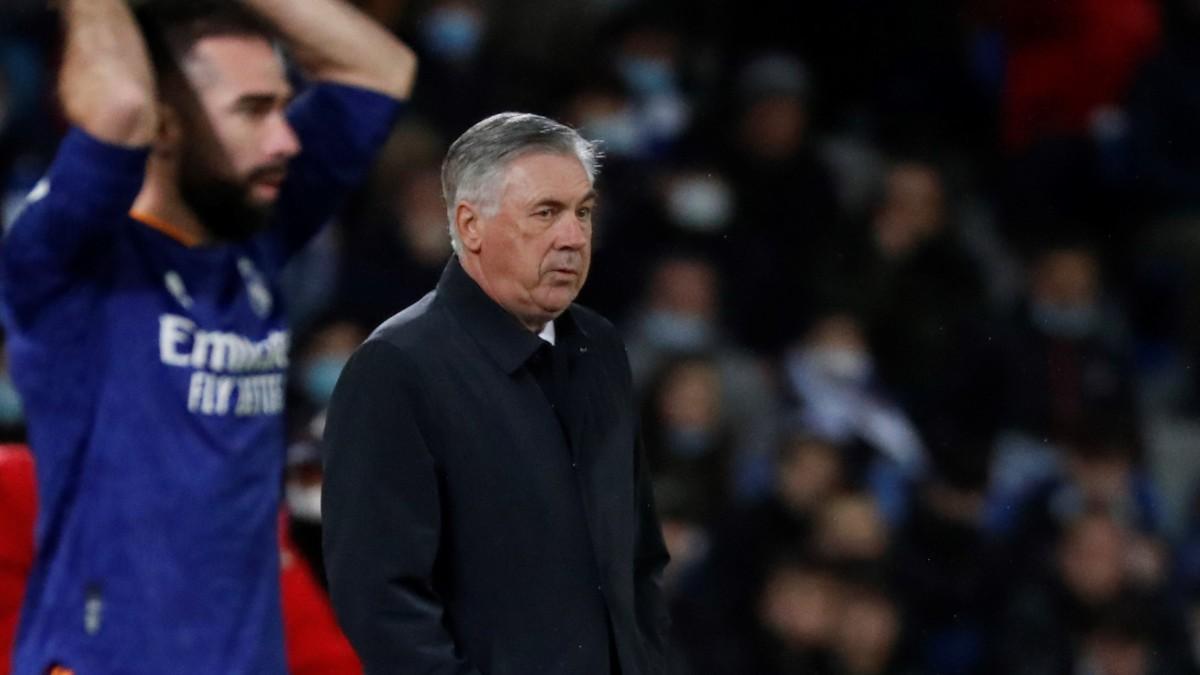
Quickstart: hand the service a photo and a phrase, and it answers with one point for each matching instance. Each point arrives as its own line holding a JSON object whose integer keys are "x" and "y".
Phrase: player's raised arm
{"x": 334, "y": 41}
{"x": 107, "y": 84}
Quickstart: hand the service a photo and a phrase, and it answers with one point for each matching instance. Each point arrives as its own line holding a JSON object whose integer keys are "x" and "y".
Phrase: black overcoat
{"x": 471, "y": 526}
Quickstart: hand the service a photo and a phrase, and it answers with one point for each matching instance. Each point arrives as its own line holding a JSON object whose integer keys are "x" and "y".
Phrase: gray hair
{"x": 476, "y": 161}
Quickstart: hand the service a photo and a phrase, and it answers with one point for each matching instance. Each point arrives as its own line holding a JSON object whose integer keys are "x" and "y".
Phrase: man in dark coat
{"x": 487, "y": 509}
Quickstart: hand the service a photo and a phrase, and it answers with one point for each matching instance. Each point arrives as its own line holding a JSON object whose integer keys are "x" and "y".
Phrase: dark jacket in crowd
{"x": 472, "y": 527}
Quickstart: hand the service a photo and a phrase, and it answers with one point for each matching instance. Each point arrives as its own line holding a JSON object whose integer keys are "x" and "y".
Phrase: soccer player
{"x": 145, "y": 330}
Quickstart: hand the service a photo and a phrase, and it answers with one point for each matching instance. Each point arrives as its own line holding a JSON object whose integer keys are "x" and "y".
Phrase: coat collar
{"x": 499, "y": 333}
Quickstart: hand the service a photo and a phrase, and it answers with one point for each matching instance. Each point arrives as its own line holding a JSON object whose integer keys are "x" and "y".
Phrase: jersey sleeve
{"x": 68, "y": 220}
{"x": 341, "y": 128}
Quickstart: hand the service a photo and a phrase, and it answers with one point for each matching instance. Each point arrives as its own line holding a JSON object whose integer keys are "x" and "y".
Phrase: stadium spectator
{"x": 1165, "y": 149}
{"x": 319, "y": 356}
{"x": 717, "y": 611}
{"x": 687, "y": 439}
{"x": 920, "y": 287}
{"x": 951, "y": 573}
{"x": 868, "y": 638}
{"x": 850, "y": 530}
{"x": 649, "y": 56}
{"x": 1095, "y": 571}
{"x": 1069, "y": 357}
{"x": 398, "y": 252}
{"x": 798, "y": 612}
{"x": 832, "y": 376}
{"x": 787, "y": 201}
{"x": 1098, "y": 472}
{"x": 458, "y": 83}
{"x": 680, "y": 314}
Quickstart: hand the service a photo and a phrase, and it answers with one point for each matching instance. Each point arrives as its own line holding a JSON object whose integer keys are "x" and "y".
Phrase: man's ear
{"x": 170, "y": 130}
{"x": 469, "y": 222}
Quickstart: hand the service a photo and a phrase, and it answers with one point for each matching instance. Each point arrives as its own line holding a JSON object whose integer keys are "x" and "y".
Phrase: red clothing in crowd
{"x": 1069, "y": 58}
{"x": 315, "y": 645}
{"x": 18, "y": 503}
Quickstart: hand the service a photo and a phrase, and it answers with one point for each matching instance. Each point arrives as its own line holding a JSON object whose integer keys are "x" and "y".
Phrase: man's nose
{"x": 574, "y": 232}
{"x": 282, "y": 141}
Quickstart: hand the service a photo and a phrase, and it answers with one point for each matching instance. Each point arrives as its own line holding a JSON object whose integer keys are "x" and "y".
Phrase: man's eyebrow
{"x": 591, "y": 195}
{"x": 549, "y": 201}
{"x": 263, "y": 99}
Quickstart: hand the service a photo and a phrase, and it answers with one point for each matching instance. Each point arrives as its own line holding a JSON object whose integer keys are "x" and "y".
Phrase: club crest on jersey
{"x": 261, "y": 300}
{"x": 175, "y": 287}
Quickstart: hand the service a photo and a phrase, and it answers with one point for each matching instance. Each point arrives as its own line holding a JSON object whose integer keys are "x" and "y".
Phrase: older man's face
{"x": 535, "y": 251}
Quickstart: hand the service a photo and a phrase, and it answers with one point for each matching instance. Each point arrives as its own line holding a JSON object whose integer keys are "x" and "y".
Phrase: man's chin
{"x": 557, "y": 301}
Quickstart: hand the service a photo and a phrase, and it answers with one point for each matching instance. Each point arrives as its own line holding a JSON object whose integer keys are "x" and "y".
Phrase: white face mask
{"x": 701, "y": 204}
{"x": 846, "y": 364}
{"x": 304, "y": 502}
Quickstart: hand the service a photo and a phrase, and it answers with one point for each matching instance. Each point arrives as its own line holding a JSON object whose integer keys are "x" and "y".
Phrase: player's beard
{"x": 223, "y": 205}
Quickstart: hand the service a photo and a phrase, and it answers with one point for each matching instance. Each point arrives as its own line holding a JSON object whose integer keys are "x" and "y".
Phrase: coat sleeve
{"x": 382, "y": 520}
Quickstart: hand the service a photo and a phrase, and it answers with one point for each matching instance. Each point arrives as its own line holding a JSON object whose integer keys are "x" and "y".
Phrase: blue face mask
{"x": 1073, "y": 323}
{"x": 453, "y": 34}
{"x": 678, "y": 332}
{"x": 647, "y": 76}
{"x": 620, "y": 133}
{"x": 321, "y": 376}
{"x": 12, "y": 413}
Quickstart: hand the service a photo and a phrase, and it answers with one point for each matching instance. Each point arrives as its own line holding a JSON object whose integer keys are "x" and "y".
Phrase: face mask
{"x": 12, "y": 413}
{"x": 850, "y": 365}
{"x": 453, "y": 34}
{"x": 701, "y": 204}
{"x": 304, "y": 502}
{"x": 1065, "y": 322}
{"x": 646, "y": 76}
{"x": 678, "y": 332}
{"x": 620, "y": 133}
{"x": 689, "y": 442}
{"x": 321, "y": 377}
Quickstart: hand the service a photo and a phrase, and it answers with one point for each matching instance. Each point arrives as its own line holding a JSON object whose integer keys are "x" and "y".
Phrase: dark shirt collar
{"x": 500, "y": 334}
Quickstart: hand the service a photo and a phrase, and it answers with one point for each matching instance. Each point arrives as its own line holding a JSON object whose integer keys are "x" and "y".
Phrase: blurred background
{"x": 910, "y": 291}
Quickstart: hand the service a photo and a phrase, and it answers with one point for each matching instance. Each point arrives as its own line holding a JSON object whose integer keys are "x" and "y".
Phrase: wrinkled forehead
{"x": 237, "y": 61}
{"x": 544, "y": 171}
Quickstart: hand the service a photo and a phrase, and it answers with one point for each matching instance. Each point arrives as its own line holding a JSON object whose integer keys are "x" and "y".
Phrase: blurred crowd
{"x": 910, "y": 292}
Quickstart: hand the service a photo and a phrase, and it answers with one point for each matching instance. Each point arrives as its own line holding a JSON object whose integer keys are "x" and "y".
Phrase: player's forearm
{"x": 334, "y": 41}
{"x": 107, "y": 83}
